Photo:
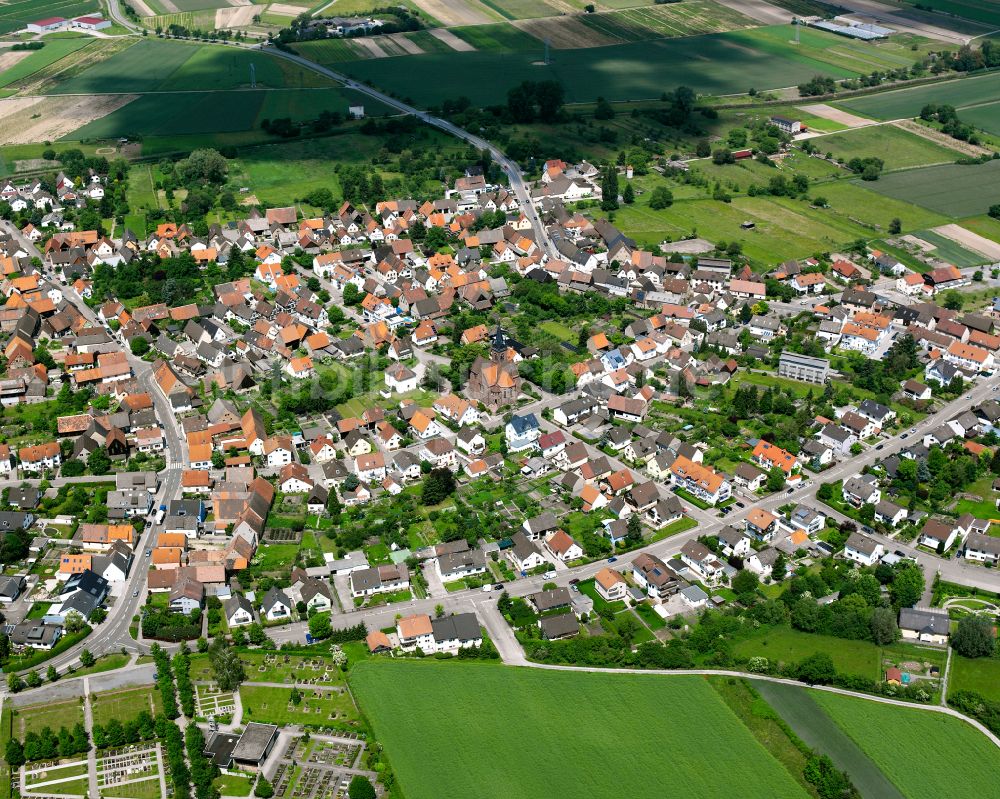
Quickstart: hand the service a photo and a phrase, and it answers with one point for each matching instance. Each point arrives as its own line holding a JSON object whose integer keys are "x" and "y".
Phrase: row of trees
{"x": 47, "y": 745}
{"x": 165, "y": 681}
{"x": 203, "y": 770}
{"x": 118, "y": 733}
{"x": 181, "y": 664}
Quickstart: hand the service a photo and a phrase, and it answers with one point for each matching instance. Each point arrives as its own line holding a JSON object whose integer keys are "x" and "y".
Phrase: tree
{"x": 633, "y": 530}
{"x": 352, "y": 296}
{"x": 14, "y": 683}
{"x": 360, "y": 788}
{"x": 994, "y": 211}
{"x": 319, "y": 626}
{"x": 256, "y": 634}
{"x": 263, "y": 789}
{"x": 218, "y": 459}
{"x": 780, "y": 568}
{"x": 87, "y": 659}
{"x": 885, "y": 631}
{"x": 609, "y": 188}
{"x": 628, "y": 196}
{"x": 226, "y": 664}
{"x": 907, "y": 586}
{"x": 895, "y": 226}
{"x": 14, "y": 753}
{"x": 603, "y": 109}
{"x": 775, "y": 478}
{"x": 745, "y": 586}
{"x": 139, "y": 346}
{"x": 974, "y": 637}
{"x": 817, "y": 669}
{"x": 51, "y": 674}
{"x": 660, "y": 198}
{"x": 438, "y": 485}
{"x": 34, "y": 679}
{"x": 953, "y": 301}
{"x": 99, "y": 462}
{"x": 438, "y": 611}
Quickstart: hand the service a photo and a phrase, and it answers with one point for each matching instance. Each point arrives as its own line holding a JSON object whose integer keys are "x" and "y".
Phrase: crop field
{"x": 329, "y": 51}
{"x": 985, "y": 117}
{"x": 619, "y": 735}
{"x": 900, "y": 149}
{"x": 954, "y": 190}
{"x": 152, "y": 66}
{"x": 904, "y": 103}
{"x": 926, "y": 755}
{"x": 54, "y": 50}
{"x": 985, "y": 11}
{"x": 714, "y": 64}
{"x": 954, "y": 253}
{"x": 522, "y": 9}
{"x": 198, "y": 5}
{"x": 680, "y": 19}
{"x": 797, "y": 706}
{"x": 192, "y": 20}
{"x": 499, "y": 38}
{"x": 14, "y": 16}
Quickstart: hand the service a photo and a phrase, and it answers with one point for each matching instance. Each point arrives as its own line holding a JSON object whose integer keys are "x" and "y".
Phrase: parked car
{"x": 612, "y": 559}
{"x": 880, "y": 446}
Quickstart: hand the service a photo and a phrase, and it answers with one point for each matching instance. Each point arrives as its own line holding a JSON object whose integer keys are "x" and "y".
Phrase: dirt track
{"x": 454, "y": 12}
{"x": 54, "y": 117}
{"x": 450, "y": 39}
{"x": 943, "y": 139}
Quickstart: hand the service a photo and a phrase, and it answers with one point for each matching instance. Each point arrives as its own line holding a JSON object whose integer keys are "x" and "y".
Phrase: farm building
{"x": 45, "y": 25}
{"x": 91, "y": 23}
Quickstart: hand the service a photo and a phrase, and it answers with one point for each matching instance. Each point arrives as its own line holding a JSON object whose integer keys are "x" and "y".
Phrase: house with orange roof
{"x": 40, "y": 457}
{"x": 300, "y": 367}
{"x": 196, "y": 481}
{"x": 70, "y": 564}
{"x": 610, "y": 585}
{"x": 970, "y": 357}
{"x": 423, "y": 424}
{"x": 704, "y": 482}
{"x": 593, "y": 498}
{"x": 767, "y": 456}
{"x": 425, "y": 334}
{"x": 563, "y": 547}
{"x": 200, "y": 456}
{"x": 167, "y": 557}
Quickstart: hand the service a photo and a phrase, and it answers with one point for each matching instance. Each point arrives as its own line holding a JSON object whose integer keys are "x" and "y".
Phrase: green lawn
{"x": 51, "y": 714}
{"x": 789, "y": 646}
{"x": 897, "y": 147}
{"x": 125, "y": 705}
{"x": 981, "y": 675}
{"x": 927, "y": 755}
{"x": 986, "y": 508}
{"x": 147, "y": 789}
{"x": 570, "y": 719}
{"x": 273, "y": 705}
{"x": 233, "y": 785}
{"x": 902, "y": 103}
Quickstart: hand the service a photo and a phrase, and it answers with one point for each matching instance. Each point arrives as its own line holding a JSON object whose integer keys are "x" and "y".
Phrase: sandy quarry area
{"x": 450, "y": 39}
{"x": 236, "y": 17}
{"x": 971, "y": 241}
{"x": 24, "y": 120}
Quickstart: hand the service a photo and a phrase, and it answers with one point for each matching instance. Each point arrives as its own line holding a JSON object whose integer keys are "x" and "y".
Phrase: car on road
{"x": 149, "y": 552}
{"x": 790, "y": 491}
{"x": 487, "y": 588}
{"x": 905, "y": 435}
{"x": 135, "y": 593}
{"x": 880, "y": 446}
{"x": 741, "y": 504}
{"x": 913, "y": 430}
{"x": 574, "y": 581}
{"x": 866, "y": 529}
{"x": 550, "y": 575}
{"x": 612, "y": 559}
{"x": 498, "y": 587}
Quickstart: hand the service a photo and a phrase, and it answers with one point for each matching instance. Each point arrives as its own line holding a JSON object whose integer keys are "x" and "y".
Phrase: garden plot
{"x": 118, "y": 769}
{"x": 210, "y": 701}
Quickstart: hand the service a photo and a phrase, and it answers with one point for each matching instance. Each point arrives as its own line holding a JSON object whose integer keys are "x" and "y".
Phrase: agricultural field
{"x": 954, "y": 190}
{"x": 906, "y": 103}
{"x": 152, "y": 66}
{"x": 900, "y": 149}
{"x": 954, "y": 253}
{"x": 522, "y": 9}
{"x": 984, "y": 11}
{"x": 416, "y": 707}
{"x": 926, "y": 755}
{"x": 30, "y": 61}
{"x": 14, "y": 16}
{"x": 715, "y": 64}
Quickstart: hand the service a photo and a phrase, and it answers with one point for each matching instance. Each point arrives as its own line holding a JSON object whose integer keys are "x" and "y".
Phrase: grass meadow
{"x": 905, "y": 103}
{"x": 921, "y": 752}
{"x": 981, "y": 675}
{"x": 54, "y": 50}
{"x": 561, "y": 734}
{"x": 900, "y": 149}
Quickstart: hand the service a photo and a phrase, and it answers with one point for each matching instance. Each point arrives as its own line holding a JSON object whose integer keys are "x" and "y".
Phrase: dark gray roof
{"x": 463, "y": 627}
{"x": 560, "y": 626}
